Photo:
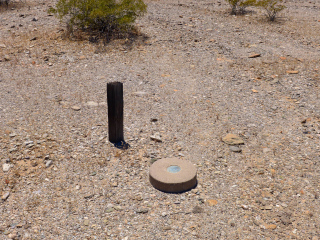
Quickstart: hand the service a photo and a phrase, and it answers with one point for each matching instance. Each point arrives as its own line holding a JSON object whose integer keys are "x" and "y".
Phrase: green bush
{"x": 104, "y": 16}
{"x": 272, "y": 7}
{"x": 239, "y": 6}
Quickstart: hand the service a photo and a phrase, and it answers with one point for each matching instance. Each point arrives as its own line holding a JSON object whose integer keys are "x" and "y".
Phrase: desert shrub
{"x": 4, "y": 2}
{"x": 105, "y": 16}
{"x": 239, "y": 6}
{"x": 271, "y": 7}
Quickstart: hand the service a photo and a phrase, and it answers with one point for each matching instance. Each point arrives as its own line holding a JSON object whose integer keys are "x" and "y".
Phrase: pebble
{"x": 13, "y": 150}
{"x": 212, "y": 202}
{"x": 271, "y": 226}
{"x": 92, "y": 104}
{"x": 48, "y": 163}
{"x": 142, "y": 210}
{"x": 197, "y": 209}
{"x": 156, "y": 137}
{"x": 76, "y": 108}
{"x": 109, "y": 210}
{"x": 232, "y": 139}
{"x": 164, "y": 214}
{"x": 292, "y": 72}
{"x": 231, "y": 223}
{"x": 255, "y": 55}
{"x": 5, "y": 196}
{"x": 235, "y": 149}
{"x": 245, "y": 207}
{"x": 266, "y": 150}
{"x": 12, "y": 235}
{"x": 6, "y": 167}
{"x": 12, "y": 135}
{"x": 140, "y": 94}
{"x": 166, "y": 228}
{"x": 86, "y": 222}
{"x": 2, "y": 45}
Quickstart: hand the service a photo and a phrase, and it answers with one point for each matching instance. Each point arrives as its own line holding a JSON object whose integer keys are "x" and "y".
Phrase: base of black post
{"x": 122, "y": 145}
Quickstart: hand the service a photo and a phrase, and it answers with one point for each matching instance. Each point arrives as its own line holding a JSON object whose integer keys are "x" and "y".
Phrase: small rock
{"x": 34, "y": 19}
{"x": 156, "y": 137}
{"x": 232, "y": 139}
{"x": 6, "y": 167}
{"x": 2, "y": 45}
{"x": 7, "y": 58}
{"x": 33, "y": 39}
{"x": 89, "y": 196}
{"x": 245, "y": 207}
{"x": 48, "y": 163}
{"x": 231, "y": 223}
{"x": 86, "y": 222}
{"x": 269, "y": 207}
{"x": 109, "y": 210}
{"x": 76, "y": 108}
{"x": 12, "y": 236}
{"x": 285, "y": 220}
{"x": 103, "y": 103}
{"x": 292, "y": 72}
{"x": 235, "y": 149}
{"x": 5, "y": 196}
{"x": 166, "y": 228}
{"x": 266, "y": 150}
{"x": 114, "y": 184}
{"x": 82, "y": 57}
{"x": 164, "y": 214}
{"x": 78, "y": 187}
{"x": 92, "y": 104}
{"x": 140, "y": 94}
{"x": 13, "y": 150}
{"x": 271, "y": 226}
{"x": 212, "y": 202}
{"x": 197, "y": 209}
{"x": 142, "y": 210}
{"x": 255, "y": 55}
{"x": 118, "y": 208}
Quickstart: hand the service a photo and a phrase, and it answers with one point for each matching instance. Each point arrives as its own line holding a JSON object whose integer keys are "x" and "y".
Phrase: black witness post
{"x": 115, "y": 114}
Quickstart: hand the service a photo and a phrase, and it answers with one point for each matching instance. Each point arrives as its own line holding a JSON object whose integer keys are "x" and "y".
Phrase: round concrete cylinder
{"x": 173, "y": 175}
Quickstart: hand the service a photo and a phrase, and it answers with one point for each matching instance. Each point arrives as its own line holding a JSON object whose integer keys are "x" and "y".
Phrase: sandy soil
{"x": 192, "y": 80}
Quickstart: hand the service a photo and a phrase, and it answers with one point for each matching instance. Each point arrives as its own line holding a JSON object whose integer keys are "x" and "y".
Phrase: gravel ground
{"x": 192, "y": 77}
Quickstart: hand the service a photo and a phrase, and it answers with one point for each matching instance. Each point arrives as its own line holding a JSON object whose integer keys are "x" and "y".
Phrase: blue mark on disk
{"x": 173, "y": 169}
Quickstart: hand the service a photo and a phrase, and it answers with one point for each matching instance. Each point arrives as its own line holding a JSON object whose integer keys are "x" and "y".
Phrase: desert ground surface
{"x": 191, "y": 78}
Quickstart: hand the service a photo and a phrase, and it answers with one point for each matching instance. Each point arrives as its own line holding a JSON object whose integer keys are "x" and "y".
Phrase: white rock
{"x": 92, "y": 104}
{"x": 156, "y": 137}
{"x": 5, "y": 196}
{"x": 6, "y": 167}
{"x": 76, "y": 108}
{"x": 48, "y": 163}
{"x": 140, "y": 94}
